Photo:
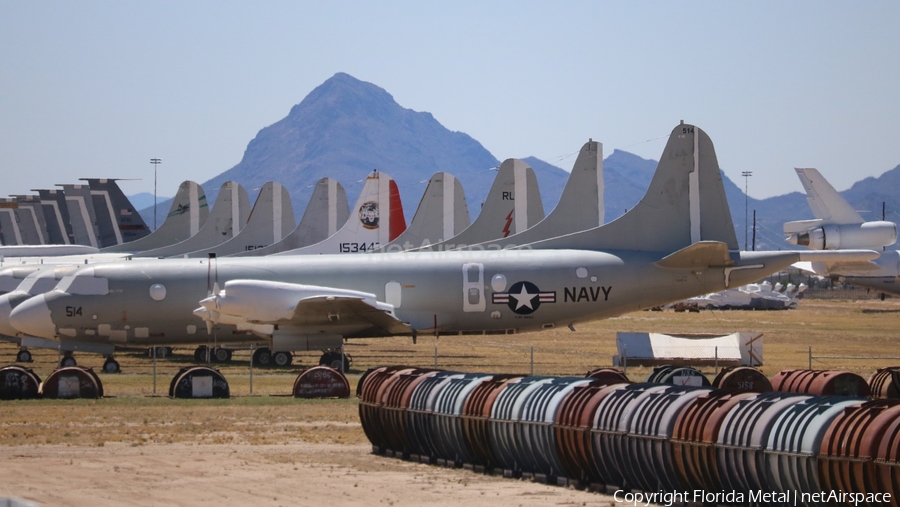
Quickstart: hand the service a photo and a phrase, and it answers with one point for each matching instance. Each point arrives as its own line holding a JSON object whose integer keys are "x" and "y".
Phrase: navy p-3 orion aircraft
{"x": 678, "y": 242}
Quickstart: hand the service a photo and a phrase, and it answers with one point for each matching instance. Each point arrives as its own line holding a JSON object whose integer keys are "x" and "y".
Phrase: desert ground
{"x": 263, "y": 447}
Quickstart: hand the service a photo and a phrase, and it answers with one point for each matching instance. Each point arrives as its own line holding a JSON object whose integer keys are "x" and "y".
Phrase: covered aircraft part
{"x": 742, "y": 378}
{"x": 326, "y": 212}
{"x": 227, "y": 218}
{"x": 885, "y": 383}
{"x": 270, "y": 220}
{"x": 838, "y": 237}
{"x": 72, "y": 382}
{"x": 199, "y": 382}
{"x": 644, "y": 437}
{"x": 608, "y": 376}
{"x": 321, "y": 382}
{"x": 185, "y": 218}
{"x": 820, "y": 382}
{"x": 117, "y": 220}
{"x": 18, "y": 383}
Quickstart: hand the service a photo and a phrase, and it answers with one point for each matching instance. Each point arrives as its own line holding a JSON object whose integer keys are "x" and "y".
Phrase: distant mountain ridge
{"x": 345, "y": 128}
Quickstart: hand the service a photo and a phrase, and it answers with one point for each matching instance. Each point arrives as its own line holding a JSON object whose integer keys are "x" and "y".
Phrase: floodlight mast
{"x": 155, "y": 162}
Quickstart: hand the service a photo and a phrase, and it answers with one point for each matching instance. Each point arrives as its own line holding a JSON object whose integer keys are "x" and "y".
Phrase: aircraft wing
{"x": 348, "y": 311}
{"x": 264, "y": 307}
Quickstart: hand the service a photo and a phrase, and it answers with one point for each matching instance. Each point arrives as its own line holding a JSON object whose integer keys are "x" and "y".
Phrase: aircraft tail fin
{"x": 513, "y": 204}
{"x": 270, "y": 220}
{"x": 10, "y": 232}
{"x": 118, "y": 221}
{"x": 441, "y": 215}
{"x": 186, "y": 216}
{"x": 325, "y": 213}
{"x": 31, "y": 220}
{"x": 684, "y": 204}
{"x": 82, "y": 216}
{"x": 580, "y": 205}
{"x": 825, "y": 202}
{"x": 56, "y": 216}
{"x": 226, "y": 219}
{"x": 376, "y": 219}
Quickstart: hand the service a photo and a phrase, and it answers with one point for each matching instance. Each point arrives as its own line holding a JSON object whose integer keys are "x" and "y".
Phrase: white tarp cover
{"x": 745, "y": 349}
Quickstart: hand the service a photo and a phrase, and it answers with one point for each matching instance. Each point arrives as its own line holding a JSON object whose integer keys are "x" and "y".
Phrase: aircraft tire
{"x": 200, "y": 354}
{"x": 111, "y": 366}
{"x": 333, "y": 360}
{"x": 220, "y": 355}
{"x": 262, "y": 357}
{"x": 67, "y": 361}
{"x": 282, "y": 358}
{"x": 24, "y": 356}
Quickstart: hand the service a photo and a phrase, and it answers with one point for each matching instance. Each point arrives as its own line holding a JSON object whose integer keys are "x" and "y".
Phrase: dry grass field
{"x": 134, "y": 448}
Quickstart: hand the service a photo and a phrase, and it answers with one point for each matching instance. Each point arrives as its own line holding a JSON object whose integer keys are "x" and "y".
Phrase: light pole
{"x": 156, "y": 162}
{"x": 746, "y": 175}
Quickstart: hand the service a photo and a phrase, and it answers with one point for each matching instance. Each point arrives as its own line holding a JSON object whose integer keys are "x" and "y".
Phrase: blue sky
{"x": 98, "y": 88}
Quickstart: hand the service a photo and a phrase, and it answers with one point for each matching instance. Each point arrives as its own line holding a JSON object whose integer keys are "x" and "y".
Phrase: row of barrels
{"x": 18, "y": 383}
{"x": 604, "y": 434}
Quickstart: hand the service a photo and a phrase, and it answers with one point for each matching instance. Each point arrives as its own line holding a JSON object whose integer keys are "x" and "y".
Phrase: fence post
{"x": 717, "y": 361}
{"x": 435, "y": 356}
{"x": 252, "y": 345}
{"x": 810, "y": 357}
{"x": 532, "y": 359}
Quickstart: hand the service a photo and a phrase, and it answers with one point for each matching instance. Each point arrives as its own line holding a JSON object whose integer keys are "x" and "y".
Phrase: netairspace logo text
{"x": 670, "y": 498}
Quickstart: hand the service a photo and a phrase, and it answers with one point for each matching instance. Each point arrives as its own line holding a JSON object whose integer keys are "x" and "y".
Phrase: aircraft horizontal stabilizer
{"x": 264, "y": 306}
{"x": 702, "y": 254}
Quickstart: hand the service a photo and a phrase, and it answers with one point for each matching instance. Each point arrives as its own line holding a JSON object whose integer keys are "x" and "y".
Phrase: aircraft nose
{"x": 7, "y": 303}
{"x": 33, "y": 318}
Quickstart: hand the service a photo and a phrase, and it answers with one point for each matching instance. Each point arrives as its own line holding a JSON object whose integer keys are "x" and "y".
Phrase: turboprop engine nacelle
{"x": 849, "y": 236}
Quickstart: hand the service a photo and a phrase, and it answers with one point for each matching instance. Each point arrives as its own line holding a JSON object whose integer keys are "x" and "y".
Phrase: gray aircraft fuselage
{"x": 450, "y": 291}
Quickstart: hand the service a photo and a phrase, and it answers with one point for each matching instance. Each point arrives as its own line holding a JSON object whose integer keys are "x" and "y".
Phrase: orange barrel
{"x": 476, "y": 420}
{"x": 859, "y": 450}
{"x": 395, "y": 397}
{"x": 573, "y": 432}
{"x": 695, "y": 435}
{"x": 885, "y": 383}
{"x": 370, "y": 390}
{"x": 820, "y": 382}
{"x": 742, "y": 378}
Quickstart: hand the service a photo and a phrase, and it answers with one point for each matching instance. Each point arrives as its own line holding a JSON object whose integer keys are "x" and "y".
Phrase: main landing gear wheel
{"x": 111, "y": 366}
{"x": 333, "y": 360}
{"x": 200, "y": 354}
{"x": 24, "y": 356}
{"x": 220, "y": 355}
{"x": 282, "y": 358}
{"x": 262, "y": 357}
{"x": 67, "y": 361}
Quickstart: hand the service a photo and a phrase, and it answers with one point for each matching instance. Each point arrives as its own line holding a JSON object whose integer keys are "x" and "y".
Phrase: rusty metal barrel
{"x": 608, "y": 376}
{"x": 885, "y": 383}
{"x": 505, "y": 415}
{"x": 72, "y": 382}
{"x": 820, "y": 382}
{"x": 395, "y": 399}
{"x": 795, "y": 439}
{"x": 678, "y": 375}
{"x": 476, "y": 420}
{"x": 18, "y": 383}
{"x": 649, "y": 462}
{"x": 447, "y": 424}
{"x": 859, "y": 451}
{"x": 742, "y": 378}
{"x": 321, "y": 382}
{"x": 743, "y": 436}
{"x": 371, "y": 390}
{"x": 573, "y": 432}
{"x": 694, "y": 439}
{"x": 199, "y": 382}
{"x": 420, "y": 414}
{"x": 608, "y": 433}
